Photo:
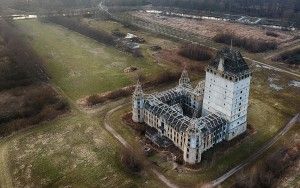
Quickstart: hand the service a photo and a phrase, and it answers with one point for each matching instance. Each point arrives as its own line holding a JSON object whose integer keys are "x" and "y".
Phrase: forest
{"x": 26, "y": 98}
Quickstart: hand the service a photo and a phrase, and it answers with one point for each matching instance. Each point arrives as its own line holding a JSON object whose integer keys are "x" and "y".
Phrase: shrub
{"x": 272, "y": 34}
{"x": 166, "y": 77}
{"x": 130, "y": 161}
{"x": 75, "y": 25}
{"x": 290, "y": 56}
{"x": 195, "y": 52}
{"x": 249, "y": 44}
{"x": 97, "y": 99}
{"x": 118, "y": 33}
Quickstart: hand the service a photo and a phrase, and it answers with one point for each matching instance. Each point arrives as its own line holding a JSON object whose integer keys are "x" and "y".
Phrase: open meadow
{"x": 81, "y": 66}
{"x": 75, "y": 150}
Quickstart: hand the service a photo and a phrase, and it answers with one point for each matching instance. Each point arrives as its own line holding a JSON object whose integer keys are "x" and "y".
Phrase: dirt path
{"x": 5, "y": 177}
{"x": 160, "y": 176}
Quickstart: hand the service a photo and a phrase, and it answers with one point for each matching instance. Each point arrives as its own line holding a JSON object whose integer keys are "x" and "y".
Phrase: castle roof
{"x": 184, "y": 80}
{"x": 229, "y": 61}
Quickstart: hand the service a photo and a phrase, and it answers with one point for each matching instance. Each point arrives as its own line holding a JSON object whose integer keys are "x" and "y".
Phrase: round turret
{"x": 138, "y": 104}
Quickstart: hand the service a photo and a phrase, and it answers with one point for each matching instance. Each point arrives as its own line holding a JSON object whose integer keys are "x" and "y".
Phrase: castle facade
{"x": 196, "y": 119}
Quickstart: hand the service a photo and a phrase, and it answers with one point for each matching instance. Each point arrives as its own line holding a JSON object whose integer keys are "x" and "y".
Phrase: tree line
{"x": 249, "y": 44}
{"x": 75, "y": 25}
{"x": 196, "y": 52}
{"x": 271, "y": 170}
{"x": 20, "y": 64}
{"x": 24, "y": 81}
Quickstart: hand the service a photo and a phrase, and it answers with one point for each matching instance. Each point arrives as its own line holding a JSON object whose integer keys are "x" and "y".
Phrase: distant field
{"x": 109, "y": 26}
{"x": 80, "y": 66}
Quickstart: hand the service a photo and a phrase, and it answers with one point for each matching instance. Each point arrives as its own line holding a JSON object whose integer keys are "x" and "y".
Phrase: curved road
{"x": 126, "y": 145}
{"x": 228, "y": 174}
{"x": 254, "y": 156}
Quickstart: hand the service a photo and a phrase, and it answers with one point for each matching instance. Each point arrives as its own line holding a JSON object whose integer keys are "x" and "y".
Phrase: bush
{"x": 30, "y": 106}
{"x": 195, "y": 52}
{"x": 20, "y": 65}
{"x": 97, "y": 99}
{"x": 249, "y": 44}
{"x": 75, "y": 25}
{"x": 290, "y": 56}
{"x": 272, "y": 34}
{"x": 118, "y": 33}
{"x": 271, "y": 170}
{"x": 130, "y": 161}
{"x": 166, "y": 77}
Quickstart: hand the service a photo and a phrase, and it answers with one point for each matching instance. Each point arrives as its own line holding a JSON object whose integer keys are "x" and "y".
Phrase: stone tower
{"x": 227, "y": 87}
{"x": 138, "y": 104}
{"x": 193, "y": 146}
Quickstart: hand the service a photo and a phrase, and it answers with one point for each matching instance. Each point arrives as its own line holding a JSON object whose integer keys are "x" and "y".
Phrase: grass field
{"x": 75, "y": 150}
{"x": 80, "y": 66}
{"x": 71, "y": 151}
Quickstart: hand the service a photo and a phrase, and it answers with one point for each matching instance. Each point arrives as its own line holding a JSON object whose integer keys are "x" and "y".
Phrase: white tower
{"x": 138, "y": 104}
{"x": 227, "y": 87}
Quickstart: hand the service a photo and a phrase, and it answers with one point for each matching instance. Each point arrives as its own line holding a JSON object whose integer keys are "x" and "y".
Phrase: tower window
{"x": 241, "y": 91}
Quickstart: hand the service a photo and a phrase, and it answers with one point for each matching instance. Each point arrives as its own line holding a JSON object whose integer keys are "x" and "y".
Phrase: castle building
{"x": 196, "y": 119}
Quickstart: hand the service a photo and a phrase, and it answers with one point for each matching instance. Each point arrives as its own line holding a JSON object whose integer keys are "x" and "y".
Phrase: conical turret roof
{"x": 184, "y": 79}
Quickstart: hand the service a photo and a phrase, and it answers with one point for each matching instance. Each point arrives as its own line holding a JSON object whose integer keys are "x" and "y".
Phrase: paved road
{"x": 126, "y": 145}
{"x": 264, "y": 148}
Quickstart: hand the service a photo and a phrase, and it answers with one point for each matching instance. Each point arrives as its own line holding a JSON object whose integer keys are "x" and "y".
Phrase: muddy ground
{"x": 209, "y": 28}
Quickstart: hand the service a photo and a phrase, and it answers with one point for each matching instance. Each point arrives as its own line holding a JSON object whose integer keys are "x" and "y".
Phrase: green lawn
{"x": 81, "y": 66}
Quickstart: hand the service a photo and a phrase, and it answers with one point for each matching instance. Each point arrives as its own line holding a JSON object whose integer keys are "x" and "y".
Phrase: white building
{"x": 175, "y": 114}
{"x": 227, "y": 86}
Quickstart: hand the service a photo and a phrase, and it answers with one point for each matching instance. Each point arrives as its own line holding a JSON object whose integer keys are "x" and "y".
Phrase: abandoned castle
{"x": 196, "y": 119}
